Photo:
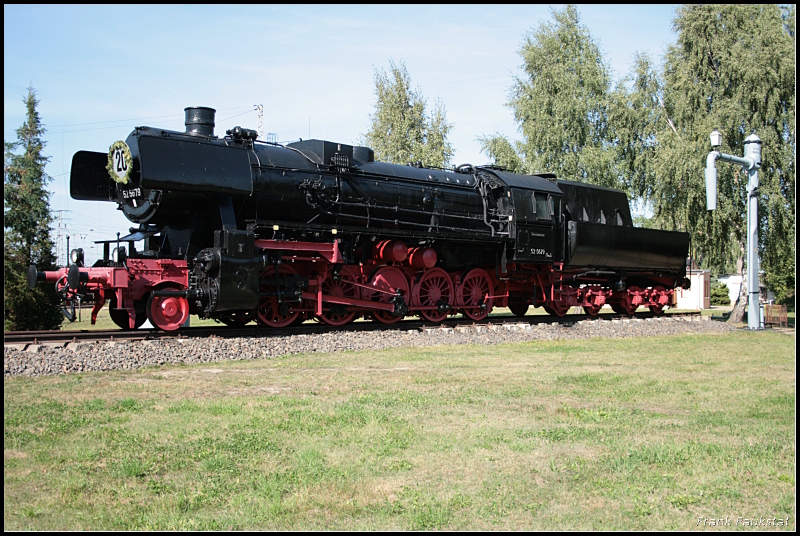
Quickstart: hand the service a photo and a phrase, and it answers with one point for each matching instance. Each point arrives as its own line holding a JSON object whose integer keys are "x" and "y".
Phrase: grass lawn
{"x": 642, "y": 434}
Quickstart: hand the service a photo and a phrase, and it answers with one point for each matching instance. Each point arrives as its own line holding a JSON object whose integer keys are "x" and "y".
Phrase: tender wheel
{"x": 472, "y": 293}
{"x": 389, "y": 280}
{"x": 659, "y": 293}
{"x": 167, "y": 312}
{"x": 592, "y": 310}
{"x": 120, "y": 317}
{"x": 335, "y": 314}
{"x": 270, "y": 312}
{"x": 518, "y": 308}
{"x": 435, "y": 289}
{"x": 625, "y": 305}
{"x": 556, "y": 309}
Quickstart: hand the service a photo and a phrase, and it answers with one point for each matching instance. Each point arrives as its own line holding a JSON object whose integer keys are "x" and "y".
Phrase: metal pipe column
{"x": 751, "y": 163}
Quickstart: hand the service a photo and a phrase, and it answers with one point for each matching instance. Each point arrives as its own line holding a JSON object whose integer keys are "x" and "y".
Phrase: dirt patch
{"x": 259, "y": 390}
{"x": 11, "y": 454}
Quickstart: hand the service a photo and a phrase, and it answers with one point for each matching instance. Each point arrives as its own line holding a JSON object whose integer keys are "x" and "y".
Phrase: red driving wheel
{"x": 344, "y": 286}
{"x": 435, "y": 289}
{"x": 270, "y": 312}
{"x": 474, "y": 293}
{"x": 386, "y": 281}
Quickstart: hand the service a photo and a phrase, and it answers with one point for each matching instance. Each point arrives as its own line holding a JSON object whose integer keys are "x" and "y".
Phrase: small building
{"x": 699, "y": 295}
{"x": 734, "y": 283}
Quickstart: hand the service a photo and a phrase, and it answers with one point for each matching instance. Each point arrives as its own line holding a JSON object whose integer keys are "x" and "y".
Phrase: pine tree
{"x": 26, "y": 228}
{"x": 719, "y": 294}
{"x": 400, "y": 131}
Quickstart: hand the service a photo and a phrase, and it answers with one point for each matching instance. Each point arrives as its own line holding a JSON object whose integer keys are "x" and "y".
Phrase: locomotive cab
{"x": 537, "y": 220}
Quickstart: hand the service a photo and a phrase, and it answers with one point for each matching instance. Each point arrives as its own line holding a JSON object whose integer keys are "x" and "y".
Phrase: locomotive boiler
{"x": 240, "y": 230}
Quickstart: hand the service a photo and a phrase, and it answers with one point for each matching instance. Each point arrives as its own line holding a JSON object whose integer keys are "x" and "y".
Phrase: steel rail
{"x": 58, "y": 337}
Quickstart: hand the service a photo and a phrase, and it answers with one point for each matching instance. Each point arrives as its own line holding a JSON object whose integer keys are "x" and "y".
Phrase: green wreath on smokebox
{"x": 126, "y": 155}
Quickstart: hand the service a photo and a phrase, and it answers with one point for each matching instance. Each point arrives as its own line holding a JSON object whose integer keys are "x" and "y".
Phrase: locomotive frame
{"x": 240, "y": 230}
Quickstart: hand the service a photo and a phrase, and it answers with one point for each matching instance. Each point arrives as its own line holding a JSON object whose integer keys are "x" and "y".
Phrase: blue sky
{"x": 101, "y": 70}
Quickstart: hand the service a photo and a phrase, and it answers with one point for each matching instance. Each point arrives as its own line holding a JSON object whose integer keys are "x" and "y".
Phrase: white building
{"x": 699, "y": 295}
{"x": 734, "y": 283}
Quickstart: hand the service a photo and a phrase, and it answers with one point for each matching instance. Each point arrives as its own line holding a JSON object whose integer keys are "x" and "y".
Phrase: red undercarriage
{"x": 338, "y": 294}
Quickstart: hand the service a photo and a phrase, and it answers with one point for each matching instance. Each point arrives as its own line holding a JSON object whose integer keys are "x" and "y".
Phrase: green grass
{"x": 602, "y": 434}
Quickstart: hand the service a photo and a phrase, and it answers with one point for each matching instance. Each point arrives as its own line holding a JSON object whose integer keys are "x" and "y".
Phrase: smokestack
{"x": 200, "y": 120}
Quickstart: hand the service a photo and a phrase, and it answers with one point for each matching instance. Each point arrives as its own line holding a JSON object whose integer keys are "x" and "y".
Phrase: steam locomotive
{"x": 238, "y": 230}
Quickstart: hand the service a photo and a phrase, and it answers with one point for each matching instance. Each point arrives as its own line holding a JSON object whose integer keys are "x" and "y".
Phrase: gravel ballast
{"x": 36, "y": 360}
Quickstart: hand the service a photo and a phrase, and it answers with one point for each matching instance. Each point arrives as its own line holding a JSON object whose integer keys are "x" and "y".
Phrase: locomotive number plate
{"x": 120, "y": 165}
{"x": 120, "y": 162}
{"x": 131, "y": 193}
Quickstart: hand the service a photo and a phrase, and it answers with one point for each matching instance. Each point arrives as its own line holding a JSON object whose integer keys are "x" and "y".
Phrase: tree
{"x": 733, "y": 68}
{"x": 635, "y": 117}
{"x": 719, "y": 294}
{"x": 26, "y": 228}
{"x": 561, "y": 105}
{"x": 400, "y": 131}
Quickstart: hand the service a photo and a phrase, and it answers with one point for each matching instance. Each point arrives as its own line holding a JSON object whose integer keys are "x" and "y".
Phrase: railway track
{"x": 59, "y": 337}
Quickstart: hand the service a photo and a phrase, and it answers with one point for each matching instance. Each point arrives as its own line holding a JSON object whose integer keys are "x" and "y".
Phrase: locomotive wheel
{"x": 624, "y": 305}
{"x": 236, "y": 320}
{"x": 344, "y": 287}
{"x": 270, "y": 312}
{"x": 592, "y": 310}
{"x": 657, "y": 309}
{"x": 435, "y": 288}
{"x": 472, "y": 291}
{"x": 120, "y": 318}
{"x": 167, "y": 312}
{"x": 518, "y": 308}
{"x": 391, "y": 279}
{"x": 556, "y": 309}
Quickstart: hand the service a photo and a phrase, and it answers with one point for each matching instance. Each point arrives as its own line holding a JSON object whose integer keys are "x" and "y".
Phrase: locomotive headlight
{"x": 119, "y": 255}
{"x": 76, "y": 255}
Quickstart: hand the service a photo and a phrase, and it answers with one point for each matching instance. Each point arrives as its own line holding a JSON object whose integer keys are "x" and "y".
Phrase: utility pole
{"x": 751, "y": 164}
{"x": 260, "y": 108}
{"x": 60, "y": 235}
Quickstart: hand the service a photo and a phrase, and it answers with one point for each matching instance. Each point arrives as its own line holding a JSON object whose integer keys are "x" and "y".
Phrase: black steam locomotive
{"x": 240, "y": 230}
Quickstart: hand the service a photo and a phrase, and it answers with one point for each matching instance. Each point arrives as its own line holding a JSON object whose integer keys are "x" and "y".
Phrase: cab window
{"x": 542, "y": 206}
